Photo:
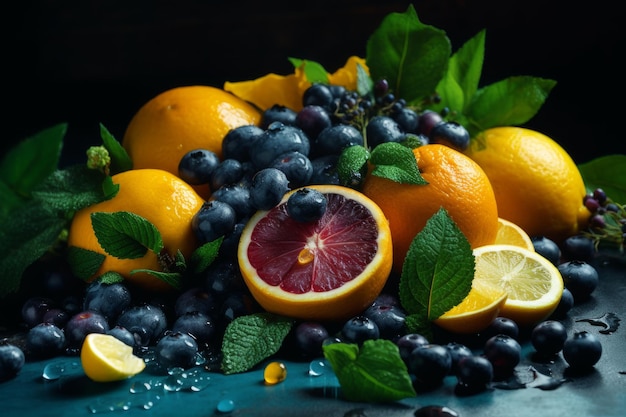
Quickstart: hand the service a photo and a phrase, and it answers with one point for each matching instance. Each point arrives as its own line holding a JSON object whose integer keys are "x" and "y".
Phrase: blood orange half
{"x": 327, "y": 269}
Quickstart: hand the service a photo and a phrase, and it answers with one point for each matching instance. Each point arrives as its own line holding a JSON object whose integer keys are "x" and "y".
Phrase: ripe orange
{"x": 162, "y": 198}
{"x": 455, "y": 183}
{"x": 182, "y": 119}
{"x": 328, "y": 269}
{"x": 537, "y": 184}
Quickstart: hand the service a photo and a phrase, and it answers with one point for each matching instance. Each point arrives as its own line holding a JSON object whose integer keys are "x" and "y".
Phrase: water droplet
{"x": 199, "y": 383}
{"x": 173, "y": 383}
{"x": 274, "y": 373}
{"x": 225, "y": 406}
{"x": 55, "y": 370}
{"x": 139, "y": 387}
{"x": 108, "y": 405}
{"x": 318, "y": 367}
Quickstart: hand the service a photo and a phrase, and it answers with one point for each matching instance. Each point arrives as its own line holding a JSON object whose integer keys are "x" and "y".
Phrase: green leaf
{"x": 364, "y": 83}
{"x": 314, "y": 71}
{"x": 250, "y": 339}
{"x": 174, "y": 279}
{"x": 606, "y": 172}
{"x": 120, "y": 160}
{"x": 72, "y": 189}
{"x": 396, "y": 162}
{"x": 462, "y": 77}
{"x": 412, "y": 56}
{"x": 375, "y": 373}
{"x": 83, "y": 263}
{"x": 438, "y": 270}
{"x": 204, "y": 256}
{"x": 510, "y": 102}
{"x": 111, "y": 277}
{"x": 352, "y": 166}
{"x": 125, "y": 235}
{"x": 32, "y": 160}
{"x": 23, "y": 240}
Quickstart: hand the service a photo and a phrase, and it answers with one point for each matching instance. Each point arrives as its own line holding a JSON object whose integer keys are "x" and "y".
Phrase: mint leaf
{"x": 606, "y": 172}
{"x": 111, "y": 277}
{"x": 24, "y": 238}
{"x": 396, "y": 162}
{"x": 250, "y": 339}
{"x": 352, "y": 166}
{"x": 438, "y": 270}
{"x": 509, "y": 102}
{"x": 172, "y": 278}
{"x": 313, "y": 71}
{"x": 462, "y": 77}
{"x": 83, "y": 263}
{"x": 125, "y": 235}
{"x": 364, "y": 83}
{"x": 120, "y": 160}
{"x": 410, "y": 55}
{"x": 204, "y": 256}
{"x": 374, "y": 373}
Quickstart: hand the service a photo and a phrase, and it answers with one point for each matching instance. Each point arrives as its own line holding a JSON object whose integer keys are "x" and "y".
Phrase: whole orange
{"x": 162, "y": 198}
{"x": 455, "y": 182}
{"x": 183, "y": 119}
{"x": 537, "y": 184}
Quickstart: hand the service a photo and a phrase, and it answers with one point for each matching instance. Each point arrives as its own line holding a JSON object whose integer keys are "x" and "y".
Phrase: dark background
{"x": 90, "y": 62}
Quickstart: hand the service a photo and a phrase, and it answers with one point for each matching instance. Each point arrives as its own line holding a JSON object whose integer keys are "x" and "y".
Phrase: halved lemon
{"x": 106, "y": 358}
{"x": 511, "y": 234}
{"x": 533, "y": 284}
{"x": 327, "y": 269}
{"x": 477, "y": 310}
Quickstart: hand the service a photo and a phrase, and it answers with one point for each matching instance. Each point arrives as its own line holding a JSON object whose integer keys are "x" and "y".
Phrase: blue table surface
{"x": 600, "y": 392}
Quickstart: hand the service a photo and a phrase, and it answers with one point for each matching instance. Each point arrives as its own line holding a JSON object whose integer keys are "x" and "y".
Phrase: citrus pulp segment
{"x": 331, "y": 268}
{"x": 105, "y": 358}
{"x": 511, "y": 234}
{"x": 533, "y": 284}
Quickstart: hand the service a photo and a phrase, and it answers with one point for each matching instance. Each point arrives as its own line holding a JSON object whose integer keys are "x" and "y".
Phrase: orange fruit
{"x": 477, "y": 310}
{"x": 162, "y": 198}
{"x": 455, "y": 182}
{"x": 328, "y": 269}
{"x": 105, "y": 358}
{"x": 511, "y": 234}
{"x": 537, "y": 184}
{"x": 183, "y": 119}
{"x": 533, "y": 284}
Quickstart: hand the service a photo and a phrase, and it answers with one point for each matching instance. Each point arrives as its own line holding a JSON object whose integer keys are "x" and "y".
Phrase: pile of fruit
{"x": 335, "y": 212}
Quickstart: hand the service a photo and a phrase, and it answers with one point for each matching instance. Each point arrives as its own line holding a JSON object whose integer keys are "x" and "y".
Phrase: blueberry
{"x": 390, "y": 319}
{"x": 238, "y": 141}
{"x": 227, "y": 172}
{"x": 123, "y": 334}
{"x": 427, "y": 120}
{"x": 580, "y": 278}
{"x": 359, "y": 329}
{"x": 146, "y": 322}
{"x": 547, "y": 248}
{"x": 198, "y": 325}
{"x": 306, "y": 205}
{"x": 579, "y": 248}
{"x": 196, "y": 166}
{"x": 107, "y": 299}
{"x": 214, "y": 219}
{"x": 34, "y": 309}
{"x": 45, "y": 340}
{"x": 83, "y": 323}
{"x": 296, "y": 166}
{"x": 408, "y": 342}
{"x": 12, "y": 360}
{"x": 407, "y": 119}
{"x": 236, "y": 304}
{"x": 313, "y": 119}
{"x": 176, "y": 349}
{"x": 382, "y": 129}
{"x": 504, "y": 353}
{"x": 565, "y": 305}
{"x": 324, "y": 170}
{"x": 334, "y": 139}
{"x": 57, "y": 316}
{"x": 238, "y": 197}
{"x": 430, "y": 364}
{"x": 502, "y": 325}
{"x": 458, "y": 352}
{"x": 222, "y": 277}
{"x": 318, "y": 95}
{"x": 278, "y": 113}
{"x": 309, "y": 337}
{"x": 548, "y": 337}
{"x": 582, "y": 351}
{"x": 195, "y": 299}
{"x": 268, "y": 187}
{"x": 474, "y": 374}
{"x": 277, "y": 140}
{"x": 451, "y": 134}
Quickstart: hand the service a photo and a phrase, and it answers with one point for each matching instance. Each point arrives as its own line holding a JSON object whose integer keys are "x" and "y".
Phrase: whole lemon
{"x": 182, "y": 119}
{"x": 455, "y": 182}
{"x": 163, "y": 199}
{"x": 537, "y": 184}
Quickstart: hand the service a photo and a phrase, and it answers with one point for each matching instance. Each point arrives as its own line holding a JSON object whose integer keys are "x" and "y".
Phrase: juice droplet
{"x": 274, "y": 373}
{"x": 305, "y": 256}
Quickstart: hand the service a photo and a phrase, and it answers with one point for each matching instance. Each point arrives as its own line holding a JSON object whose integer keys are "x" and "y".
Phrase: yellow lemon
{"x": 105, "y": 358}
{"x": 511, "y": 234}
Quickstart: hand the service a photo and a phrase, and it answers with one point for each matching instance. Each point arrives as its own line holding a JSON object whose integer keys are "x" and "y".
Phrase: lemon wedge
{"x": 510, "y": 233}
{"x": 105, "y": 358}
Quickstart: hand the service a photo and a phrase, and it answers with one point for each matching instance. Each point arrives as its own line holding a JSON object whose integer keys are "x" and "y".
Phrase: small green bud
{"x": 98, "y": 158}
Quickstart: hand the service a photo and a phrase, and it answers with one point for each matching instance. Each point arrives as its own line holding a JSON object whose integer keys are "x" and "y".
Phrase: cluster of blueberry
{"x": 608, "y": 219}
